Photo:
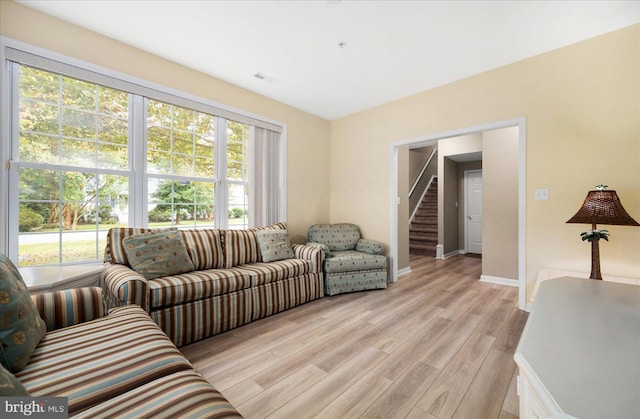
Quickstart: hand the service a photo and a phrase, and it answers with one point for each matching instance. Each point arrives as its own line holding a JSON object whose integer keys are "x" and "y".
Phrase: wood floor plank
{"x": 412, "y": 350}
{"x": 272, "y": 399}
{"x": 447, "y": 391}
{"x": 407, "y": 355}
{"x": 507, "y": 340}
{"x": 357, "y": 399}
{"x": 311, "y": 402}
{"x": 417, "y": 413}
{"x": 400, "y": 398}
{"x": 243, "y": 371}
{"x": 486, "y": 393}
{"x": 511, "y": 403}
{"x": 440, "y": 352}
{"x": 242, "y": 392}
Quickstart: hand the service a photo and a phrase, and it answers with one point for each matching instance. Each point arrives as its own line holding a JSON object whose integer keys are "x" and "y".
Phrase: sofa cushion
{"x": 21, "y": 327}
{"x": 351, "y": 260}
{"x": 265, "y": 272}
{"x": 114, "y": 252}
{"x": 157, "y": 253}
{"x": 95, "y": 361}
{"x": 10, "y": 386}
{"x": 182, "y": 394}
{"x": 204, "y": 247}
{"x": 274, "y": 245}
{"x": 193, "y": 286}
{"x": 336, "y": 236}
{"x": 241, "y": 246}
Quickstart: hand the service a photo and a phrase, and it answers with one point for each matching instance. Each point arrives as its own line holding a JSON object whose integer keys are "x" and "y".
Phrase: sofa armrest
{"x": 370, "y": 246}
{"x": 124, "y": 286}
{"x": 311, "y": 253}
{"x": 69, "y": 307}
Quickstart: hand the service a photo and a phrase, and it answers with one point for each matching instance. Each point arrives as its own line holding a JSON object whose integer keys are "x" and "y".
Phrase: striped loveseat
{"x": 229, "y": 286}
{"x": 112, "y": 365}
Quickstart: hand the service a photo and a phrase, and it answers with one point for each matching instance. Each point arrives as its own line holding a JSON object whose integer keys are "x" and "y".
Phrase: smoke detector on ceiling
{"x": 264, "y": 77}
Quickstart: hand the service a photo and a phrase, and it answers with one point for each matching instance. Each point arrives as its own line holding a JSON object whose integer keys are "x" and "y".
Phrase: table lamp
{"x": 601, "y": 206}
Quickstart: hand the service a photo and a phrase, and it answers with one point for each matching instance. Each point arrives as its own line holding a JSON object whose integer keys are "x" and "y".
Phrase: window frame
{"x": 138, "y": 177}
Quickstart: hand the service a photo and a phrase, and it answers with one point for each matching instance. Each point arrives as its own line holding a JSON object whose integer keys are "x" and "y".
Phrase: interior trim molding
{"x": 498, "y": 280}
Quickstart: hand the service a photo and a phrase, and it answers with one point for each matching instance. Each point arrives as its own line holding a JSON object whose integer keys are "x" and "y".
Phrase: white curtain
{"x": 267, "y": 193}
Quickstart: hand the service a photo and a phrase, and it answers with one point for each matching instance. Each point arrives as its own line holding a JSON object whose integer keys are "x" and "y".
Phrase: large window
{"x": 73, "y": 178}
{"x": 85, "y": 156}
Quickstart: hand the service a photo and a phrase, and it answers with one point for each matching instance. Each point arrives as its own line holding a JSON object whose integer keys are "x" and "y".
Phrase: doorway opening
{"x": 517, "y": 193}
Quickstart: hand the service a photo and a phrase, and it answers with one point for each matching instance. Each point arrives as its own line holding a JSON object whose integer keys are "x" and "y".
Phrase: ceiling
{"x": 333, "y": 58}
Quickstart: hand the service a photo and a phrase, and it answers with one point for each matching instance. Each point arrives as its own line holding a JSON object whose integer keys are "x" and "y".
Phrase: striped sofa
{"x": 111, "y": 365}
{"x": 229, "y": 287}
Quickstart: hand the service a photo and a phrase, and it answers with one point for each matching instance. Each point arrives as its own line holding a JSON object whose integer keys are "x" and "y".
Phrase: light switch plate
{"x": 541, "y": 195}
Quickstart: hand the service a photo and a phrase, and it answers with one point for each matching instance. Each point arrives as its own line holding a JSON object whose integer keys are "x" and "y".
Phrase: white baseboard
{"x": 454, "y": 253}
{"x": 439, "y": 251}
{"x": 404, "y": 271}
{"x": 501, "y": 281}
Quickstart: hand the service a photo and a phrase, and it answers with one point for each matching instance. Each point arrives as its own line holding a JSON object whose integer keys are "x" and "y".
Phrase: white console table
{"x": 579, "y": 354}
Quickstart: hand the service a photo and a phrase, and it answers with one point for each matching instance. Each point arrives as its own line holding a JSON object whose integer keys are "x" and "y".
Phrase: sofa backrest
{"x": 338, "y": 237}
{"x": 204, "y": 247}
{"x": 208, "y": 248}
{"x": 241, "y": 246}
{"x": 114, "y": 252}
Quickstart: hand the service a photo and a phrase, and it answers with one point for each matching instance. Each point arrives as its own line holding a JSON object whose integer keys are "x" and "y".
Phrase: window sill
{"x": 53, "y": 278}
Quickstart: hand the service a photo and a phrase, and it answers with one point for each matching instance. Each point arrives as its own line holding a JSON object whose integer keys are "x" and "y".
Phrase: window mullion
{"x": 13, "y": 207}
{"x": 138, "y": 188}
{"x": 221, "y": 188}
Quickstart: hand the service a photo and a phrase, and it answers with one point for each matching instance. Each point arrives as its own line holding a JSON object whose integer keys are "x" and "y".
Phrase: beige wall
{"x": 500, "y": 203}
{"x": 582, "y": 110}
{"x": 307, "y": 135}
{"x": 417, "y": 159}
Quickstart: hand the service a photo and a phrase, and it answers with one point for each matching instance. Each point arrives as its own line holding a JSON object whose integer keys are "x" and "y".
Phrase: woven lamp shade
{"x": 603, "y": 207}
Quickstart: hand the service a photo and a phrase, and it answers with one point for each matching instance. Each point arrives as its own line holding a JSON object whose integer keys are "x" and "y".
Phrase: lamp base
{"x": 595, "y": 260}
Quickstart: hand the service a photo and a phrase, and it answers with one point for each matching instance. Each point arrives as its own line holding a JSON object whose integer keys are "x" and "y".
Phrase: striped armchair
{"x": 88, "y": 357}
{"x": 229, "y": 286}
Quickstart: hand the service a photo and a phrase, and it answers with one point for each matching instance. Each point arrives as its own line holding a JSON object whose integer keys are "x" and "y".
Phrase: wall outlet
{"x": 541, "y": 195}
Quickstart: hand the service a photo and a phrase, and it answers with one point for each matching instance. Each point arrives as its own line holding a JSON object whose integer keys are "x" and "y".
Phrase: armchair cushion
{"x": 21, "y": 327}
{"x": 157, "y": 253}
{"x": 66, "y": 308}
{"x": 352, "y": 260}
{"x": 369, "y": 246}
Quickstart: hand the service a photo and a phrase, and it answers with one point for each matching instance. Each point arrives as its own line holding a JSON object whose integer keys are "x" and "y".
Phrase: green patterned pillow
{"x": 274, "y": 245}
{"x": 157, "y": 253}
{"x": 21, "y": 327}
{"x": 10, "y": 386}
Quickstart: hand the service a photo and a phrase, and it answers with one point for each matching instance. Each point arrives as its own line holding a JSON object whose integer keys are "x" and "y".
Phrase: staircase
{"x": 423, "y": 230}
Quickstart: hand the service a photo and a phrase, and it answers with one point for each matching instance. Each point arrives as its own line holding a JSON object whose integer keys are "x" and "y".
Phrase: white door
{"x": 473, "y": 216}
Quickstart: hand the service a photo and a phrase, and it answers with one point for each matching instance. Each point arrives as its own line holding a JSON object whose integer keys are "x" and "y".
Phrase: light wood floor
{"x": 436, "y": 344}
